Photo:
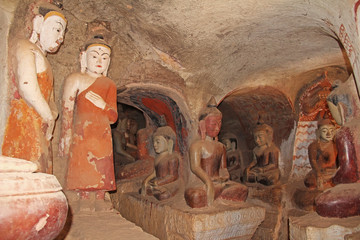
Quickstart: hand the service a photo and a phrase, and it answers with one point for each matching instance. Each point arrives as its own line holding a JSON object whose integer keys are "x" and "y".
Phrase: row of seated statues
{"x": 89, "y": 106}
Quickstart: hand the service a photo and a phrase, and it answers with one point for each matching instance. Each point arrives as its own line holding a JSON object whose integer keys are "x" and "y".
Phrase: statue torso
{"x": 211, "y": 155}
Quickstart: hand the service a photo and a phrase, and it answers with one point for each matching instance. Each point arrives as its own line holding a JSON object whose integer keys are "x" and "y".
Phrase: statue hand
{"x": 48, "y": 128}
{"x": 153, "y": 182}
{"x": 224, "y": 174}
{"x": 143, "y": 188}
{"x": 95, "y": 99}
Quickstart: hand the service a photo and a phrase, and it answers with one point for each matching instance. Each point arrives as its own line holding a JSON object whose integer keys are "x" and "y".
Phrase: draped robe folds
{"x": 24, "y": 137}
{"x": 90, "y": 164}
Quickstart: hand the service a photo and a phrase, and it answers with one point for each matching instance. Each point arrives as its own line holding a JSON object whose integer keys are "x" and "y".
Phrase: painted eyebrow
{"x": 99, "y": 53}
{"x": 60, "y": 23}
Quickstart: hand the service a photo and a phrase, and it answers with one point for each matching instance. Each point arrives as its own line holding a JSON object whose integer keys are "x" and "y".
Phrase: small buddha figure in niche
{"x": 163, "y": 182}
{"x": 208, "y": 163}
{"x": 33, "y": 111}
{"x": 343, "y": 200}
{"x": 233, "y": 155}
{"x": 322, "y": 156}
{"x": 264, "y": 168}
{"x": 89, "y": 107}
{"x": 342, "y": 111}
{"x": 125, "y": 141}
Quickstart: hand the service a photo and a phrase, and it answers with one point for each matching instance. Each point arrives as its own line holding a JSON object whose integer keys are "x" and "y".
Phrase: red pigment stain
{"x": 160, "y": 108}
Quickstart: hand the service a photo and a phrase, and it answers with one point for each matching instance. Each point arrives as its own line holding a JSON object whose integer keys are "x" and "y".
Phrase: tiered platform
{"x": 173, "y": 219}
{"x": 314, "y": 227}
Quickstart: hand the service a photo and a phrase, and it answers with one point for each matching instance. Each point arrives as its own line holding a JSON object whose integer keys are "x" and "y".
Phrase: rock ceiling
{"x": 214, "y": 47}
{"x": 225, "y": 44}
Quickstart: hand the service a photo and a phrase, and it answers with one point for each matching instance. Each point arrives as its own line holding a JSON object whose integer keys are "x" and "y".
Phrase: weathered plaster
{"x": 7, "y": 9}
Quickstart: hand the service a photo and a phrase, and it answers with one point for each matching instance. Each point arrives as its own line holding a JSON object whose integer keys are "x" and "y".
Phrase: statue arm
{"x": 111, "y": 104}
{"x": 68, "y": 103}
{"x": 28, "y": 86}
{"x": 312, "y": 153}
{"x": 223, "y": 171}
{"x": 273, "y": 158}
{"x": 253, "y": 163}
{"x": 53, "y": 106}
{"x": 129, "y": 145}
{"x": 120, "y": 142}
{"x": 145, "y": 183}
{"x": 195, "y": 165}
{"x": 108, "y": 104}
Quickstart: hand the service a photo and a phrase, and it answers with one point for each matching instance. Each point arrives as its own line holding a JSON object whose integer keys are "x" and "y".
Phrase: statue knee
{"x": 196, "y": 198}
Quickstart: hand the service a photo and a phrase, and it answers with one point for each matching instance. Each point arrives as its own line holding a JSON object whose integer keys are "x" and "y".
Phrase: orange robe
{"x": 90, "y": 165}
{"x": 24, "y": 137}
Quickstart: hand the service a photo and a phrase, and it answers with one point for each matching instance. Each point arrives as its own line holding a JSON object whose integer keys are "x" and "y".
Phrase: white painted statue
{"x": 33, "y": 112}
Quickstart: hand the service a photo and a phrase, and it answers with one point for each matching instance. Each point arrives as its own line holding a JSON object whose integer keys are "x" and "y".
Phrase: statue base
{"x": 173, "y": 219}
{"x": 312, "y": 226}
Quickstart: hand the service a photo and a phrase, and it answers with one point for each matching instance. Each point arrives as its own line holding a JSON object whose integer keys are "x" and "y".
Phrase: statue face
{"x": 260, "y": 138}
{"x": 327, "y": 133}
{"x": 213, "y": 125}
{"x": 97, "y": 59}
{"x": 52, "y": 33}
{"x": 160, "y": 144}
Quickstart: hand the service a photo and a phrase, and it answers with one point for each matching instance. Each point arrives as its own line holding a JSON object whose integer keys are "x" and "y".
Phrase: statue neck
{"x": 208, "y": 138}
{"x": 41, "y": 49}
{"x": 162, "y": 154}
{"x": 92, "y": 74}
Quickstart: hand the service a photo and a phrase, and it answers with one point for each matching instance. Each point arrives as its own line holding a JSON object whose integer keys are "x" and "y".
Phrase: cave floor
{"x": 101, "y": 225}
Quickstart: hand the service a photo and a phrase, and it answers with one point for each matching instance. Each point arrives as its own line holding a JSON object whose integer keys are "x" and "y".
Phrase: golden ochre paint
{"x": 54, "y": 13}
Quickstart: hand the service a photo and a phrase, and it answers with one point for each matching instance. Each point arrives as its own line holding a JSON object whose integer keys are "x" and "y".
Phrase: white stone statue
{"x": 33, "y": 112}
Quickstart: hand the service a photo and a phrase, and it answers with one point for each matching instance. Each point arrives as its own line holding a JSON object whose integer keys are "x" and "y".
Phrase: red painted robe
{"x": 90, "y": 165}
{"x": 24, "y": 137}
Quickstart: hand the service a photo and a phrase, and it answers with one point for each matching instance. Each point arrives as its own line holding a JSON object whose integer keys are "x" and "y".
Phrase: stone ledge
{"x": 314, "y": 227}
{"x": 173, "y": 219}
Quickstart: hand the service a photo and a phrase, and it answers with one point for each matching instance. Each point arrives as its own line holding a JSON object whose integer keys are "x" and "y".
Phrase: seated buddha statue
{"x": 208, "y": 163}
{"x": 163, "y": 182}
{"x": 322, "y": 156}
{"x": 264, "y": 168}
{"x": 124, "y": 137}
{"x": 234, "y": 157}
{"x": 343, "y": 200}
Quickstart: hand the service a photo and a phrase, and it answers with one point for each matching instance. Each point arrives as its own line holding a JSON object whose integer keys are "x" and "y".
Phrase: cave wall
{"x": 140, "y": 57}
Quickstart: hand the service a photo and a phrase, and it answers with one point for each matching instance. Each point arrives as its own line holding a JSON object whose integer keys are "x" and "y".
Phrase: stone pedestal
{"x": 173, "y": 219}
{"x": 314, "y": 227}
{"x": 275, "y": 225}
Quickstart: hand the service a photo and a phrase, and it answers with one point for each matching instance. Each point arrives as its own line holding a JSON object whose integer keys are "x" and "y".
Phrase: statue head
{"x": 229, "y": 141}
{"x": 263, "y": 134}
{"x": 49, "y": 26}
{"x": 132, "y": 126}
{"x": 95, "y": 58}
{"x": 210, "y": 120}
{"x": 326, "y": 130}
{"x": 164, "y": 139}
{"x": 339, "y": 102}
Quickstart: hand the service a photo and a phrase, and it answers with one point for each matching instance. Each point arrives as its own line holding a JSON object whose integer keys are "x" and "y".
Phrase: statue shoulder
{"x": 197, "y": 144}
{"x": 313, "y": 145}
{"x": 175, "y": 156}
{"x": 23, "y": 47}
{"x": 274, "y": 148}
{"x": 74, "y": 77}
